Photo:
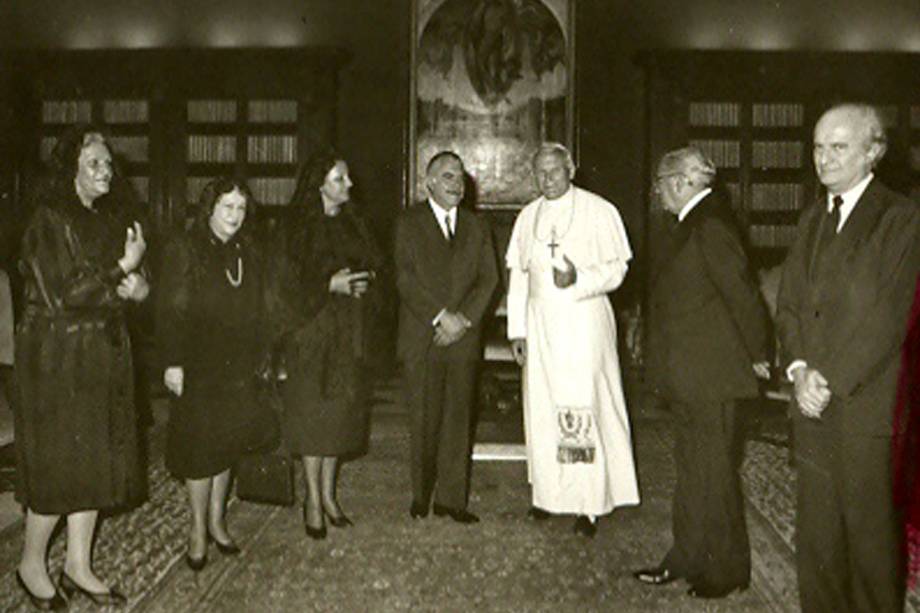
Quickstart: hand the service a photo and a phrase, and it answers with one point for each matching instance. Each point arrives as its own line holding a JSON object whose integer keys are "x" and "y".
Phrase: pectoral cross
{"x": 552, "y": 243}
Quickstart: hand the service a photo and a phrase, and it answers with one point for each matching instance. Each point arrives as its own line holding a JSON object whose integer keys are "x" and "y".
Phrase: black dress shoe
{"x": 461, "y": 516}
{"x": 538, "y": 514}
{"x": 340, "y": 521}
{"x": 228, "y": 549}
{"x": 55, "y": 603}
{"x": 196, "y": 564}
{"x": 584, "y": 526}
{"x": 418, "y": 510}
{"x": 111, "y": 598}
{"x": 705, "y": 590}
{"x": 317, "y": 534}
{"x": 656, "y": 576}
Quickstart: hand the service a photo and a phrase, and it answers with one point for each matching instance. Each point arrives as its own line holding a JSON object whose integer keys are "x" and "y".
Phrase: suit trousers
{"x": 710, "y": 536}
{"x": 848, "y": 545}
{"x": 439, "y": 394}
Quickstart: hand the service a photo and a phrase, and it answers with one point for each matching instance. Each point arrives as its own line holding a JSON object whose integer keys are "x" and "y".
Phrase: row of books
{"x": 272, "y": 111}
{"x": 734, "y": 194}
{"x": 211, "y": 111}
{"x": 66, "y": 111}
{"x": 777, "y": 115}
{"x": 723, "y": 153}
{"x": 777, "y": 197}
{"x": 272, "y": 149}
{"x": 272, "y": 190}
{"x": 141, "y": 187}
{"x": 131, "y": 148}
{"x": 125, "y": 111}
{"x": 771, "y": 235}
{"x": 715, "y": 114}
{"x": 776, "y": 154}
{"x": 194, "y": 186}
{"x": 211, "y": 149}
{"x": 257, "y": 111}
{"x": 265, "y": 190}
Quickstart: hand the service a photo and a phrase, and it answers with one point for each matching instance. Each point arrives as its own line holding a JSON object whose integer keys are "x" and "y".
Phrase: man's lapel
{"x": 431, "y": 226}
{"x": 862, "y": 220}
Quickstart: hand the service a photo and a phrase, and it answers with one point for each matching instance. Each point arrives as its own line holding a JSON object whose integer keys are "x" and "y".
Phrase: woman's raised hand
{"x": 135, "y": 246}
{"x": 350, "y": 283}
{"x": 173, "y": 378}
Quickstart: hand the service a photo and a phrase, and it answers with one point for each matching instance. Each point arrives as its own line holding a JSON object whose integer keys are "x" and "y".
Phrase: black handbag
{"x": 266, "y": 473}
{"x": 266, "y": 478}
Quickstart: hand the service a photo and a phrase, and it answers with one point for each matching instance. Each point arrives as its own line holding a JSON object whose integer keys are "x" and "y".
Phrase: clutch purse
{"x": 267, "y": 478}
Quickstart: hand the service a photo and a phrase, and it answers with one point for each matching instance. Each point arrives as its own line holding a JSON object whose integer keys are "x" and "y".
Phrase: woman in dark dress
{"x": 336, "y": 263}
{"x": 76, "y": 424}
{"x": 210, "y": 323}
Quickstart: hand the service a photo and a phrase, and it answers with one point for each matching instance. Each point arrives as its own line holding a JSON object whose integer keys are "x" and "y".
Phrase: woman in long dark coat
{"x": 212, "y": 326}
{"x": 337, "y": 264}
{"x": 76, "y": 423}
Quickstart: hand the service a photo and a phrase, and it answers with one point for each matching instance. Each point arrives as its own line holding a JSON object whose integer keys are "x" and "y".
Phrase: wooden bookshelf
{"x": 256, "y": 139}
{"x": 753, "y": 114}
{"x": 128, "y": 123}
{"x": 179, "y": 118}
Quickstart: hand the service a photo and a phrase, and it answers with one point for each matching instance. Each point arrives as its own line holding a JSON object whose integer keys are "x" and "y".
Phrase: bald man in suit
{"x": 446, "y": 275}
{"x": 842, "y": 312}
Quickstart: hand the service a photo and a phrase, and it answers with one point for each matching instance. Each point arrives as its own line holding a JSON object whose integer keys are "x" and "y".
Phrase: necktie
{"x": 834, "y": 215}
{"x": 450, "y": 231}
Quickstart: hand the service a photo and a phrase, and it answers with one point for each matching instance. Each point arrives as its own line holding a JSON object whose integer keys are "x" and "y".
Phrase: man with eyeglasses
{"x": 708, "y": 344}
{"x": 842, "y": 311}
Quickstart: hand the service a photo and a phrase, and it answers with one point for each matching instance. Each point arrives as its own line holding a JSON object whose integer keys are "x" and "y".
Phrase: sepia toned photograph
{"x": 460, "y": 305}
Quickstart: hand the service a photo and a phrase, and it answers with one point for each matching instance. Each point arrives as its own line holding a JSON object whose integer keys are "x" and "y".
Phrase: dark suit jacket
{"x": 432, "y": 274}
{"x": 708, "y": 321}
{"x": 849, "y": 321}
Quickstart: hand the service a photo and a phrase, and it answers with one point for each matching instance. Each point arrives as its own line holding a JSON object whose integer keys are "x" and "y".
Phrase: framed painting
{"x": 490, "y": 80}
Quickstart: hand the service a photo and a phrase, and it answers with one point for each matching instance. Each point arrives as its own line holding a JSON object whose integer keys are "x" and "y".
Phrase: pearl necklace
{"x": 236, "y": 282}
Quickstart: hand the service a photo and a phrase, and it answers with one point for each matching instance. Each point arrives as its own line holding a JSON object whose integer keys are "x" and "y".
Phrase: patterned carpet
{"x": 388, "y": 562}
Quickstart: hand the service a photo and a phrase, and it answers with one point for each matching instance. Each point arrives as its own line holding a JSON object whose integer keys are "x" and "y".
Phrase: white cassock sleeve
{"x": 518, "y": 284}
{"x": 609, "y": 255}
{"x": 598, "y": 279}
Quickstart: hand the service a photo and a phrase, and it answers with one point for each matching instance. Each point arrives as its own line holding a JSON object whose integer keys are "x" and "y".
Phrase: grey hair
{"x": 559, "y": 149}
{"x": 869, "y": 121}
{"x": 690, "y": 161}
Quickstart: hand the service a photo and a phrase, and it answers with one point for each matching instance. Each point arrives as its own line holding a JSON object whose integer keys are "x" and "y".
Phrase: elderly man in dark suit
{"x": 709, "y": 339}
{"x": 446, "y": 275}
{"x": 841, "y": 314}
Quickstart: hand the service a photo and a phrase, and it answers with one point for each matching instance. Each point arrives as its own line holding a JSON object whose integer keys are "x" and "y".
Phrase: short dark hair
{"x": 441, "y": 155}
{"x": 213, "y": 191}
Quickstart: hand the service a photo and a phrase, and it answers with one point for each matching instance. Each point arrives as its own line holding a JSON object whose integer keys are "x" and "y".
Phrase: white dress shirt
{"x": 692, "y": 203}
{"x": 850, "y": 198}
{"x": 442, "y": 215}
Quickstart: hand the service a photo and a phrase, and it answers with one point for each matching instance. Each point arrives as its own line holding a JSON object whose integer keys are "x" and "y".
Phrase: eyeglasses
{"x": 656, "y": 182}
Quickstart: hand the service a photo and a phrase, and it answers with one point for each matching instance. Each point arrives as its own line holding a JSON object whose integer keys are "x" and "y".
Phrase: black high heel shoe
{"x": 111, "y": 598}
{"x": 226, "y": 549}
{"x": 339, "y": 521}
{"x": 55, "y": 603}
{"x": 317, "y": 534}
{"x": 196, "y": 564}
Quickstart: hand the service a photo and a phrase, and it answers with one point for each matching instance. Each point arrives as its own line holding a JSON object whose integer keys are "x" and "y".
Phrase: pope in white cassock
{"x": 567, "y": 250}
